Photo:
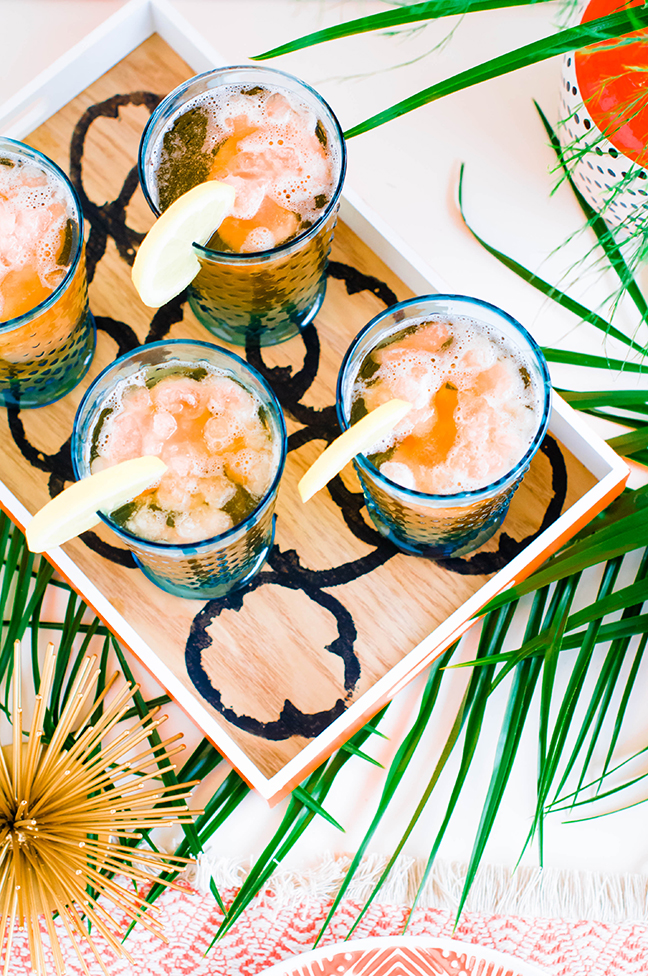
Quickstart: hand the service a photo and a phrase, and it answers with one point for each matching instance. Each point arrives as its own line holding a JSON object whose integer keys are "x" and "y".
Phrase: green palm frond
{"x": 552, "y": 629}
{"x": 405, "y": 15}
{"x": 572, "y": 38}
{"x": 550, "y": 291}
{"x": 296, "y": 819}
{"x": 393, "y": 780}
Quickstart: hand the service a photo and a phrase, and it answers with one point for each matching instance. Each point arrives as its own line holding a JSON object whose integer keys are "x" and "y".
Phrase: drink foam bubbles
{"x": 34, "y": 209}
{"x": 280, "y": 158}
{"x": 259, "y": 239}
{"x": 498, "y": 405}
{"x": 209, "y": 432}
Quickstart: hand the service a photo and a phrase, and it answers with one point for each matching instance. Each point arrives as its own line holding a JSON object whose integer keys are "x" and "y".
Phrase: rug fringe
{"x": 547, "y": 892}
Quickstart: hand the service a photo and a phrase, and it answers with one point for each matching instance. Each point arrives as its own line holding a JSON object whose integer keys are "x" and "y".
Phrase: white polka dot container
{"x": 610, "y": 181}
{"x": 403, "y": 956}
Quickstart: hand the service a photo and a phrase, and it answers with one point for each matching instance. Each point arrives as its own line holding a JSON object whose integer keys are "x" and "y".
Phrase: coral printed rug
{"x": 270, "y": 932}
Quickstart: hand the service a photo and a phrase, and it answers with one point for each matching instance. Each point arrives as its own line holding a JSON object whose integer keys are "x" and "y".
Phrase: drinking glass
{"x": 46, "y": 351}
{"x": 452, "y": 524}
{"x": 268, "y": 295}
{"x": 215, "y": 566}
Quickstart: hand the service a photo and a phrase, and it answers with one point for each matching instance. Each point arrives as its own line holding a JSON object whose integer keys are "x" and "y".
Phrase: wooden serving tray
{"x": 338, "y": 619}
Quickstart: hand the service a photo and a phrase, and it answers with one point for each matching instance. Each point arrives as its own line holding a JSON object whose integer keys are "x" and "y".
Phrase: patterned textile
{"x": 269, "y": 932}
{"x": 389, "y": 959}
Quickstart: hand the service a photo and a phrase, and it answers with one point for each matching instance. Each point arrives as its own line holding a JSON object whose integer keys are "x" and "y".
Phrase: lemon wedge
{"x": 165, "y": 262}
{"x": 358, "y": 439}
{"x": 76, "y": 509}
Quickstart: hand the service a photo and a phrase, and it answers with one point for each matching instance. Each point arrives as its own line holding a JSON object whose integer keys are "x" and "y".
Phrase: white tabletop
{"x": 407, "y": 172}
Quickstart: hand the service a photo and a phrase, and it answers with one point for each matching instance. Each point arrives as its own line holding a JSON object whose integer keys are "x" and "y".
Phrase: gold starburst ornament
{"x": 71, "y": 808}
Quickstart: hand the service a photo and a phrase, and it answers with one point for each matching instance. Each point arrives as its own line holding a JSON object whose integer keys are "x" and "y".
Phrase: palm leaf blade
{"x": 394, "y": 776}
{"x": 573, "y": 38}
{"x": 410, "y": 14}
{"x": 584, "y": 313}
{"x": 604, "y": 234}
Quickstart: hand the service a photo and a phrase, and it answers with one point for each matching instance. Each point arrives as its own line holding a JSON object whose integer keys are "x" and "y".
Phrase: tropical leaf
{"x": 573, "y": 38}
{"x": 604, "y": 234}
{"x": 295, "y": 821}
{"x": 628, "y": 596}
{"x": 627, "y": 691}
{"x": 192, "y": 843}
{"x": 630, "y": 443}
{"x": 410, "y": 14}
{"x": 222, "y": 804}
{"x": 584, "y": 313}
{"x": 395, "y": 775}
{"x": 593, "y": 362}
{"x": 559, "y": 622}
{"x": 552, "y": 747}
{"x": 304, "y": 797}
{"x": 570, "y": 800}
{"x": 582, "y": 399}
{"x": 517, "y": 708}
{"x": 603, "y": 28}
{"x": 596, "y": 544}
{"x": 347, "y": 747}
{"x": 626, "y": 444}
{"x": 470, "y": 714}
{"x": 436, "y": 773}
{"x": 18, "y": 564}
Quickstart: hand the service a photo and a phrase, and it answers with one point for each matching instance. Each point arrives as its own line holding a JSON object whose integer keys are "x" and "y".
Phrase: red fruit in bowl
{"x": 613, "y": 83}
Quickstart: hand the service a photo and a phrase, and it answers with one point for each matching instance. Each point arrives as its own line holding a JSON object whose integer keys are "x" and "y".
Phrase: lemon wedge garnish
{"x": 76, "y": 509}
{"x": 165, "y": 262}
{"x": 358, "y": 439}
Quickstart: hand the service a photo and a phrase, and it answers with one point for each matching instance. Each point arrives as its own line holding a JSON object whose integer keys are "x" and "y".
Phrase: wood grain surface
{"x": 330, "y": 580}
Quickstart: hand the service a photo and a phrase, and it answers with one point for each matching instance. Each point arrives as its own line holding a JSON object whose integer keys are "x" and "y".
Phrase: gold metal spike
{"x": 66, "y": 806}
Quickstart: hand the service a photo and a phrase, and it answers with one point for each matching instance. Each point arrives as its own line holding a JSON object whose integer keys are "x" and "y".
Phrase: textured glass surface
{"x": 47, "y": 351}
{"x": 439, "y": 525}
{"x": 271, "y": 300}
{"x": 271, "y": 295}
{"x": 427, "y": 530}
{"x": 211, "y": 570}
{"x": 226, "y": 562}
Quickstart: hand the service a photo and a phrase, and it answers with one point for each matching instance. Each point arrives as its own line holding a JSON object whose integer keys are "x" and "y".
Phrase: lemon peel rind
{"x": 355, "y": 440}
{"x": 76, "y": 509}
{"x": 193, "y": 217}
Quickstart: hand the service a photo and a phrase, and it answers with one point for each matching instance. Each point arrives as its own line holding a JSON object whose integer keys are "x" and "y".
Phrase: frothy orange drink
{"x": 279, "y": 145}
{"x": 35, "y": 237}
{"x": 47, "y": 334}
{"x": 476, "y": 408}
{"x": 269, "y": 147}
{"x": 210, "y": 432}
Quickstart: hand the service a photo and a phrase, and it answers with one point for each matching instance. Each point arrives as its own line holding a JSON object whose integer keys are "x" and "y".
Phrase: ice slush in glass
{"x": 47, "y": 333}
{"x": 441, "y": 482}
{"x": 208, "y": 525}
{"x": 278, "y": 143}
